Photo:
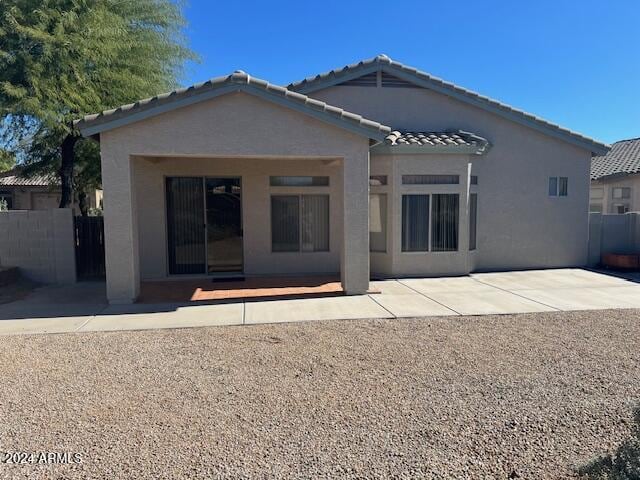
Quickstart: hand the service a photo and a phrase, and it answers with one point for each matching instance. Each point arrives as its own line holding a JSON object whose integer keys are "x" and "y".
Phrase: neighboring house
{"x": 615, "y": 179}
{"x": 36, "y": 192}
{"x": 373, "y": 169}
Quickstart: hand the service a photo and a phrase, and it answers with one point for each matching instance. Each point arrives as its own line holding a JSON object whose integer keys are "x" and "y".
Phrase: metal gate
{"x": 89, "y": 237}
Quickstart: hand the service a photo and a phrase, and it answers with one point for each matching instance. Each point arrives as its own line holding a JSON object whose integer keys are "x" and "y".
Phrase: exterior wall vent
{"x": 369, "y": 80}
{"x": 391, "y": 81}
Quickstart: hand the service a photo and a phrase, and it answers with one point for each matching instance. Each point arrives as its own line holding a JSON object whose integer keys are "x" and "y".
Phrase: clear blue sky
{"x": 573, "y": 62}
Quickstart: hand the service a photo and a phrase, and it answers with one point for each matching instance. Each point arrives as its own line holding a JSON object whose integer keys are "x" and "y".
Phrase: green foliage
{"x": 623, "y": 464}
{"x": 7, "y": 160}
{"x": 62, "y": 59}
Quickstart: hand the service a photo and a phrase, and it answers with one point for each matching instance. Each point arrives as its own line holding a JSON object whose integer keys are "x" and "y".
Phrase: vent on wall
{"x": 369, "y": 80}
{"x": 389, "y": 80}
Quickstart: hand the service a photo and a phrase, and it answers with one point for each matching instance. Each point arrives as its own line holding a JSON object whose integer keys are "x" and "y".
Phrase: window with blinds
{"x": 378, "y": 222}
{"x": 430, "y": 179}
{"x": 299, "y": 181}
{"x": 430, "y": 222}
{"x": 300, "y": 223}
{"x": 415, "y": 223}
{"x": 444, "y": 222}
{"x": 473, "y": 220}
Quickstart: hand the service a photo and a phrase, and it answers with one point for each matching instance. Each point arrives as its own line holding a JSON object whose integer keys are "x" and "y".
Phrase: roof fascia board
{"x": 223, "y": 90}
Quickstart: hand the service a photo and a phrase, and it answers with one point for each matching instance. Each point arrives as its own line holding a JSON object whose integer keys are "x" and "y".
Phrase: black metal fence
{"x": 89, "y": 237}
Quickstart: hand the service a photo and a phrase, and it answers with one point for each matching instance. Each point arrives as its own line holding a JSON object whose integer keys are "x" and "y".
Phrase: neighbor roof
{"x": 13, "y": 178}
{"x": 423, "y": 79}
{"x": 237, "y": 81}
{"x": 433, "y": 142}
{"x": 622, "y": 159}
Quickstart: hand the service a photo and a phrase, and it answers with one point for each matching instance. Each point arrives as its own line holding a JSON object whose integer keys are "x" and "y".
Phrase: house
{"x": 36, "y": 192}
{"x": 372, "y": 169}
{"x": 615, "y": 179}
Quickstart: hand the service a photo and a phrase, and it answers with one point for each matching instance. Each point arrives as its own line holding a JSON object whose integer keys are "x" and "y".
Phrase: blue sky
{"x": 573, "y": 62}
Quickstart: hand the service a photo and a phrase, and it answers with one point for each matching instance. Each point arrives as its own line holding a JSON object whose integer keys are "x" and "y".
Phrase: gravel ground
{"x": 465, "y": 397}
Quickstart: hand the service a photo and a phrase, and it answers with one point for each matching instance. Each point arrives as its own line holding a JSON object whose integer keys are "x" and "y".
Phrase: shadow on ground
{"x": 623, "y": 464}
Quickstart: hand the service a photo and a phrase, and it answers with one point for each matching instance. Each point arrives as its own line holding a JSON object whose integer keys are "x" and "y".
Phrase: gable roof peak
{"x": 383, "y": 58}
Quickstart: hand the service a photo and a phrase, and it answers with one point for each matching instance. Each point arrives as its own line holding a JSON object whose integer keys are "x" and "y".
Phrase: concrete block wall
{"x": 40, "y": 244}
{"x": 613, "y": 234}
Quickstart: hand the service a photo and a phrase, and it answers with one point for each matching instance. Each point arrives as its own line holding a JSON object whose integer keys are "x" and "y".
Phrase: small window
{"x": 553, "y": 186}
{"x": 473, "y": 220}
{"x": 563, "y": 186}
{"x": 596, "y": 193}
{"x": 299, "y": 181}
{"x": 474, "y": 179}
{"x": 444, "y": 223}
{"x": 377, "y": 180}
{"x": 415, "y": 223}
{"x": 621, "y": 208}
{"x": 619, "y": 193}
{"x": 300, "y": 223}
{"x": 430, "y": 179}
{"x": 595, "y": 208}
{"x": 378, "y": 223}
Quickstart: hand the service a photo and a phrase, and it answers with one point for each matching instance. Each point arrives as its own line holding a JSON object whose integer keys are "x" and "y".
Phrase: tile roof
{"x": 623, "y": 158}
{"x": 12, "y": 178}
{"x": 238, "y": 80}
{"x": 433, "y": 142}
{"x": 383, "y": 62}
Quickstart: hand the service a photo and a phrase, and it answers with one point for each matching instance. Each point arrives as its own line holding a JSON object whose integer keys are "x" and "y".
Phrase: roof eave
{"x": 96, "y": 126}
{"x": 416, "y": 77}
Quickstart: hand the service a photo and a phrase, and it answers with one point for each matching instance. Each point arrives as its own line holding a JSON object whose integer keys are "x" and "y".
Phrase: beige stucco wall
{"x": 235, "y": 128}
{"x": 607, "y": 186}
{"x": 45, "y": 198}
{"x": 519, "y": 225}
{"x": 40, "y": 243}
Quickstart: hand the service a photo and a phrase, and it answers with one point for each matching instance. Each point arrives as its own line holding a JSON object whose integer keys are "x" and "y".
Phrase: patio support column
{"x": 120, "y": 224}
{"x": 355, "y": 244}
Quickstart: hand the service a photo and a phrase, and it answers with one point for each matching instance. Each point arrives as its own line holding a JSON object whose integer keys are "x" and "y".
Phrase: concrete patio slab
{"x": 42, "y": 325}
{"x": 552, "y": 279}
{"x": 330, "y": 308}
{"x": 412, "y": 305}
{"x": 586, "y": 298}
{"x": 180, "y": 317}
{"x": 390, "y": 287}
{"x": 488, "y": 302}
{"x": 446, "y": 284}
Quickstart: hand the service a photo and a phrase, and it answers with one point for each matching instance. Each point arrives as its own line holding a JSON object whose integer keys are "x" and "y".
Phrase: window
{"x": 621, "y": 208}
{"x": 378, "y": 223}
{"x": 595, "y": 208}
{"x": 596, "y": 193}
{"x": 7, "y": 197}
{"x": 415, "y": 223}
{"x": 619, "y": 193}
{"x": 299, "y": 181}
{"x": 558, "y": 186}
{"x": 473, "y": 219}
{"x": 444, "y": 222}
{"x": 300, "y": 223}
{"x": 474, "y": 180}
{"x": 377, "y": 180}
{"x": 430, "y": 179}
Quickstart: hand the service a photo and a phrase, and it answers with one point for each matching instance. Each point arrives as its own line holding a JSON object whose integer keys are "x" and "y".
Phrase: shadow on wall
{"x": 623, "y": 464}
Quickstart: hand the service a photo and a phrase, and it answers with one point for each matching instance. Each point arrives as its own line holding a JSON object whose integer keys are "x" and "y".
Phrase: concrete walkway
{"x": 83, "y": 307}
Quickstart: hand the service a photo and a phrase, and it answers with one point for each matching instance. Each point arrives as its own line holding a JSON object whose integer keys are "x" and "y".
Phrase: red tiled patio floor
{"x": 204, "y": 289}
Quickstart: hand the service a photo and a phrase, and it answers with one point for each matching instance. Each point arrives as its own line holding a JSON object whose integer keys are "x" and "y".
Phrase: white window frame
{"x": 300, "y": 200}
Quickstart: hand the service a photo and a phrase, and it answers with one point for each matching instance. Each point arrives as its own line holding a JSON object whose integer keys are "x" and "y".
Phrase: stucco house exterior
{"x": 615, "y": 179}
{"x": 375, "y": 169}
{"x": 37, "y": 192}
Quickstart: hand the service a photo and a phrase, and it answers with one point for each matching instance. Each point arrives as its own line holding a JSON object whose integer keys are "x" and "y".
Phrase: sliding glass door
{"x": 185, "y": 225}
{"x": 204, "y": 225}
{"x": 224, "y": 225}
